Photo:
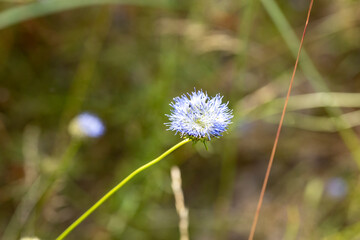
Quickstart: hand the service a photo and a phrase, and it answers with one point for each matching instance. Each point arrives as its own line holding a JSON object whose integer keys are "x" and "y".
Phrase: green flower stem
{"x": 117, "y": 187}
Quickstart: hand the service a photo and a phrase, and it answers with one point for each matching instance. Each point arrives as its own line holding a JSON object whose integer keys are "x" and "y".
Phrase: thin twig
{"x": 182, "y": 211}
{"x": 253, "y": 227}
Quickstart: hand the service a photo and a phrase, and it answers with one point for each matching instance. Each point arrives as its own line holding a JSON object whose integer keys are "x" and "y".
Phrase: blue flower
{"x": 87, "y": 125}
{"x": 198, "y": 116}
{"x": 336, "y": 188}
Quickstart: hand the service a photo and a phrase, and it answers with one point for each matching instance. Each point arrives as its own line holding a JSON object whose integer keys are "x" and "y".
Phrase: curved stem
{"x": 117, "y": 187}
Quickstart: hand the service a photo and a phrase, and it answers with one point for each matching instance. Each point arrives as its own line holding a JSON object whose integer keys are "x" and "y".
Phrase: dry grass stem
{"x": 261, "y": 198}
{"x": 182, "y": 211}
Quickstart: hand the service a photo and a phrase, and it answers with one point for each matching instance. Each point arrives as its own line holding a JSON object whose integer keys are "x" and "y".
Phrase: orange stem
{"x": 261, "y": 198}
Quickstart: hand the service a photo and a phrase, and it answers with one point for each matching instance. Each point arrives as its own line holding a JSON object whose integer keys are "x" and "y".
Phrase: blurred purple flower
{"x": 87, "y": 125}
{"x": 336, "y": 188}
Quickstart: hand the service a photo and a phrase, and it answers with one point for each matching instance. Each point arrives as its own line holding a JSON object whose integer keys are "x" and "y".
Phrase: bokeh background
{"x": 124, "y": 61}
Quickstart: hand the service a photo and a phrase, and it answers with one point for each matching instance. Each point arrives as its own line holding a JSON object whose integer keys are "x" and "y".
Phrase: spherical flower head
{"x": 199, "y": 117}
{"x": 86, "y": 125}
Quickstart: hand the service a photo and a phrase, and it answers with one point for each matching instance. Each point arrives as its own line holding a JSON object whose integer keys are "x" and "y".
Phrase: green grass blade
{"x": 313, "y": 75}
{"x": 23, "y": 13}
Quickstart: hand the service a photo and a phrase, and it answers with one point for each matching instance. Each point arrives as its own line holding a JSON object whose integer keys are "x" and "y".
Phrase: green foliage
{"x": 124, "y": 61}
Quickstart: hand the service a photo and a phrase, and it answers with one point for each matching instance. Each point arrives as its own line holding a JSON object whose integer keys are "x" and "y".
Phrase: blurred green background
{"x": 124, "y": 61}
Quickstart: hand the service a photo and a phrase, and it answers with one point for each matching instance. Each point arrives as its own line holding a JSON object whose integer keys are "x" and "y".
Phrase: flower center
{"x": 201, "y": 123}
